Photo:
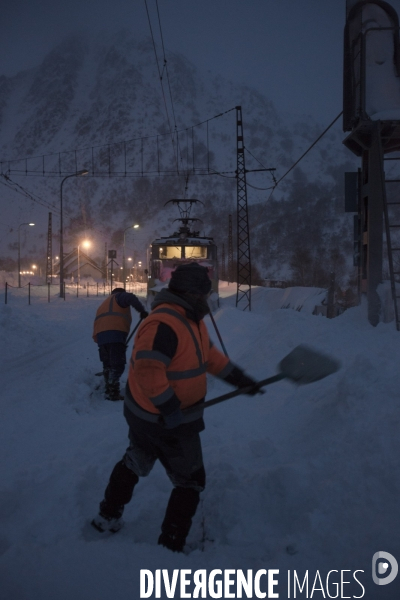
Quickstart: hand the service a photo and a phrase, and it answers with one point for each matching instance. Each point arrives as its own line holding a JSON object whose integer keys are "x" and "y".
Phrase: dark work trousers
{"x": 180, "y": 455}
{"x": 114, "y": 360}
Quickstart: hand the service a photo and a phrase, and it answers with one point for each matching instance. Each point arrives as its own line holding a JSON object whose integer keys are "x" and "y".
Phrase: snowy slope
{"x": 299, "y": 478}
{"x": 93, "y": 91}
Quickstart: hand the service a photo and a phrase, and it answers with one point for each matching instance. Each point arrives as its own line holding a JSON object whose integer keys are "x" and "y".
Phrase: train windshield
{"x": 195, "y": 251}
{"x": 170, "y": 252}
{"x": 181, "y": 252}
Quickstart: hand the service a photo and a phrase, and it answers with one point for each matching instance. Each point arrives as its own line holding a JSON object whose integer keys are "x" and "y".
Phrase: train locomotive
{"x": 183, "y": 246}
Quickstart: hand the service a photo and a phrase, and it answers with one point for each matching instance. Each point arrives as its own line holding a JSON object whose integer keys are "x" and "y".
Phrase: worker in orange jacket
{"x": 110, "y": 330}
{"x": 171, "y": 356}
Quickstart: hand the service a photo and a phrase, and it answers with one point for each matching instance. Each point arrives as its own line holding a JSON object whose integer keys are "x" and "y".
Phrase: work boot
{"x": 113, "y": 391}
{"x": 104, "y": 522}
{"x": 181, "y": 509}
{"x": 118, "y": 493}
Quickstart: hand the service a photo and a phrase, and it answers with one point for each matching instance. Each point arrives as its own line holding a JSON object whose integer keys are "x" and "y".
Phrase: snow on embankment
{"x": 303, "y": 299}
{"x": 263, "y": 299}
{"x": 298, "y": 478}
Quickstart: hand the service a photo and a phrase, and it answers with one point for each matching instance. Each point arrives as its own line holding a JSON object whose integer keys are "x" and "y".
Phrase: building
{"x": 87, "y": 267}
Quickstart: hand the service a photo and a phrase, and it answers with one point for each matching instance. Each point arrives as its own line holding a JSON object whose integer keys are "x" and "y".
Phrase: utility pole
{"x": 49, "y": 262}
{"x": 230, "y": 250}
{"x": 243, "y": 292}
{"x": 105, "y": 263}
{"x": 223, "y": 272}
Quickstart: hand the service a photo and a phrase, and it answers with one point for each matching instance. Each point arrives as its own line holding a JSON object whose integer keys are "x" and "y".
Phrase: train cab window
{"x": 170, "y": 252}
{"x": 195, "y": 251}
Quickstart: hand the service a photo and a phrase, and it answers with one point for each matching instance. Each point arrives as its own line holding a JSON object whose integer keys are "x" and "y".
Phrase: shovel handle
{"x": 133, "y": 331}
{"x": 218, "y": 399}
{"x": 218, "y": 334}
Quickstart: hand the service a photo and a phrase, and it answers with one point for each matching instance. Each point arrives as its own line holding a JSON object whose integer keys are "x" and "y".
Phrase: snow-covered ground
{"x": 300, "y": 478}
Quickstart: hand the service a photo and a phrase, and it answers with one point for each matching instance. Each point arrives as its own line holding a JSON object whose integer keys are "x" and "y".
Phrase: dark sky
{"x": 291, "y": 50}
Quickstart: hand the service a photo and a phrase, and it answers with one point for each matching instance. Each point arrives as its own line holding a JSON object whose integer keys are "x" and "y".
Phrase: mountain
{"x": 97, "y": 103}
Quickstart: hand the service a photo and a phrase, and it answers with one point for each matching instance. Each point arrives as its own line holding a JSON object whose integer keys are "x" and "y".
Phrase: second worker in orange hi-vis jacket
{"x": 171, "y": 357}
{"x": 110, "y": 331}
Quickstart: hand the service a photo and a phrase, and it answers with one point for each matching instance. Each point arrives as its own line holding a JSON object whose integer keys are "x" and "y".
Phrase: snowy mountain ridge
{"x": 89, "y": 92}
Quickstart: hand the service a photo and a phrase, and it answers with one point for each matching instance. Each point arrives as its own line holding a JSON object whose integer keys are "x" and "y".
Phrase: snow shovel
{"x": 302, "y": 365}
{"x": 218, "y": 334}
{"x": 133, "y": 331}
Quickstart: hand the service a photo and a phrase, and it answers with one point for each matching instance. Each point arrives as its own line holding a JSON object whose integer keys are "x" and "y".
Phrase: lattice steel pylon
{"x": 105, "y": 263}
{"x": 223, "y": 270}
{"x": 49, "y": 261}
{"x": 230, "y": 250}
{"x": 243, "y": 292}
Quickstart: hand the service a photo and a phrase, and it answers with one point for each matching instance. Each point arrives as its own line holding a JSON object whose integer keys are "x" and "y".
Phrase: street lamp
{"x": 77, "y": 174}
{"x": 140, "y": 271}
{"x": 130, "y": 276}
{"x": 85, "y": 244}
{"x": 123, "y": 254}
{"x": 19, "y": 251}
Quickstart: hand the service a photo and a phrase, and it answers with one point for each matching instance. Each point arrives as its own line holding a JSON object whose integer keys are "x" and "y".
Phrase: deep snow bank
{"x": 298, "y": 478}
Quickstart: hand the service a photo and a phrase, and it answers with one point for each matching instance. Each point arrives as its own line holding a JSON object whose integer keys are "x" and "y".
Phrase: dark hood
{"x": 194, "y": 309}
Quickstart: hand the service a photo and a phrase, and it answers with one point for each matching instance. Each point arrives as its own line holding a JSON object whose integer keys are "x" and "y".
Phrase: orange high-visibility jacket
{"x": 110, "y": 316}
{"x": 154, "y": 378}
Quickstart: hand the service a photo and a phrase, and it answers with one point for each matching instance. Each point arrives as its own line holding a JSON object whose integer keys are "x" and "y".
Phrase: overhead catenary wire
{"x": 225, "y": 174}
{"x": 271, "y": 187}
{"x": 265, "y": 168}
{"x": 305, "y": 153}
{"x": 276, "y": 182}
{"x": 158, "y": 67}
{"x": 8, "y": 182}
{"x": 9, "y": 167}
{"x": 165, "y": 67}
{"x": 160, "y": 75}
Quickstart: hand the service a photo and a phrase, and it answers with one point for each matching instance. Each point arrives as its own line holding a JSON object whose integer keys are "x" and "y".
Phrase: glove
{"x": 144, "y": 314}
{"x": 246, "y": 381}
{"x": 173, "y": 420}
{"x": 241, "y": 380}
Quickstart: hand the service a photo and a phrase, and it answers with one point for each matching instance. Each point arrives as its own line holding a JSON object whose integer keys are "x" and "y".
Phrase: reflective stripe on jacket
{"x": 154, "y": 378}
{"x": 110, "y": 316}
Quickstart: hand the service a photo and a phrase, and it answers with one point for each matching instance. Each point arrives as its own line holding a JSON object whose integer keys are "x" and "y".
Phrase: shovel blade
{"x": 305, "y": 365}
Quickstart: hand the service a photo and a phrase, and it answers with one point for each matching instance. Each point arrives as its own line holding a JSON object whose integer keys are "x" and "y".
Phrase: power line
{"x": 306, "y": 152}
{"x": 265, "y": 169}
{"x": 160, "y": 74}
{"x": 59, "y": 169}
{"x": 21, "y": 190}
{"x": 172, "y": 102}
{"x": 158, "y": 65}
{"x": 271, "y": 187}
{"x": 165, "y": 66}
